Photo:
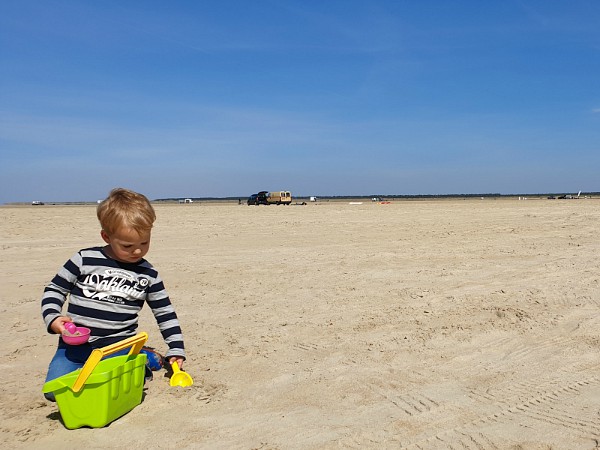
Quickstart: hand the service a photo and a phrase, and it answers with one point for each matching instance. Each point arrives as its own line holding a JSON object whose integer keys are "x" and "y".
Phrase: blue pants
{"x": 69, "y": 358}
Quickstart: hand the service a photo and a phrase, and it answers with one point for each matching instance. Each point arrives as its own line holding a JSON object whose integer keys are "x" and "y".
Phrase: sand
{"x": 465, "y": 324}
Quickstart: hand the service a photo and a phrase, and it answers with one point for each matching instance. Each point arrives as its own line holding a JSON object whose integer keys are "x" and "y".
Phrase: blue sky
{"x": 335, "y": 97}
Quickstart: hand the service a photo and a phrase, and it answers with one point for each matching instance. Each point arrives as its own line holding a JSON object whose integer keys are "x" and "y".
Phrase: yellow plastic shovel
{"x": 180, "y": 378}
{"x": 136, "y": 342}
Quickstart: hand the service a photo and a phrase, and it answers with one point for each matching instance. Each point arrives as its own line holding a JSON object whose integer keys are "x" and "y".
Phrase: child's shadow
{"x": 54, "y": 416}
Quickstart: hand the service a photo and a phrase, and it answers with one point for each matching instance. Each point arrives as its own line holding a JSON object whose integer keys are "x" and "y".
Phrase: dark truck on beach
{"x": 258, "y": 199}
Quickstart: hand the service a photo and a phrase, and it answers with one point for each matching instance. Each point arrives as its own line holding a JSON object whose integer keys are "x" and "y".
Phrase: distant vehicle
{"x": 258, "y": 199}
{"x": 37, "y": 202}
{"x": 271, "y": 198}
{"x": 570, "y": 197}
{"x": 279, "y": 198}
{"x": 252, "y": 199}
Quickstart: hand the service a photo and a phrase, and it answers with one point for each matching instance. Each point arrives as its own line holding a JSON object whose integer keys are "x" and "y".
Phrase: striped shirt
{"x": 106, "y": 296}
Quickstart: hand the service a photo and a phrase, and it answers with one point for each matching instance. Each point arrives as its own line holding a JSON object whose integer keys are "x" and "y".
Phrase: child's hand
{"x": 58, "y": 325}
{"x": 178, "y": 359}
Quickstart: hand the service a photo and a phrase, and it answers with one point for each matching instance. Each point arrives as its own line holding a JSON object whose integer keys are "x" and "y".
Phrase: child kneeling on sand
{"x": 108, "y": 286}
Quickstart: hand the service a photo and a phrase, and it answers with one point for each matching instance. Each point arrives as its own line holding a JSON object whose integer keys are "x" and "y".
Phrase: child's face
{"x": 126, "y": 244}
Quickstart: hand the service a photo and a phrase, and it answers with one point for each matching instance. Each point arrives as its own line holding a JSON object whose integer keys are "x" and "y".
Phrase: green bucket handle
{"x": 136, "y": 342}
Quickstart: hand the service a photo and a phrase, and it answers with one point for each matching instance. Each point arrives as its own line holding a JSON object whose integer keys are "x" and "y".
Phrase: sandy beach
{"x": 463, "y": 324}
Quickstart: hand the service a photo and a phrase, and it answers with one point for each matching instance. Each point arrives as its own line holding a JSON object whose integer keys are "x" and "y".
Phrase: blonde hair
{"x": 125, "y": 208}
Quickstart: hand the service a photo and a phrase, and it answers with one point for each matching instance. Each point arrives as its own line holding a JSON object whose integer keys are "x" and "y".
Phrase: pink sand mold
{"x": 74, "y": 335}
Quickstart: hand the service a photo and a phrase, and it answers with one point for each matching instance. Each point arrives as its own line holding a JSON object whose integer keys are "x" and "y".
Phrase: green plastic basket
{"x": 113, "y": 389}
{"x": 102, "y": 390}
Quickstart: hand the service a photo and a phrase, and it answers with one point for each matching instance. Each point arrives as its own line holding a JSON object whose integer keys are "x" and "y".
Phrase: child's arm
{"x": 167, "y": 321}
{"x": 55, "y": 295}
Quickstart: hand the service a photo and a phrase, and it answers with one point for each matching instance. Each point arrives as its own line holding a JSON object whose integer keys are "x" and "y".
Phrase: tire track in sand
{"x": 552, "y": 407}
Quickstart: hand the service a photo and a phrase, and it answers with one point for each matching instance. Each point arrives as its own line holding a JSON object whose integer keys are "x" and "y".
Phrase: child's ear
{"x": 105, "y": 236}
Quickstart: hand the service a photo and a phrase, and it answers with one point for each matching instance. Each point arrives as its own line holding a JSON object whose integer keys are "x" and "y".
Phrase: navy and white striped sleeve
{"x": 55, "y": 293}
{"x": 166, "y": 318}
